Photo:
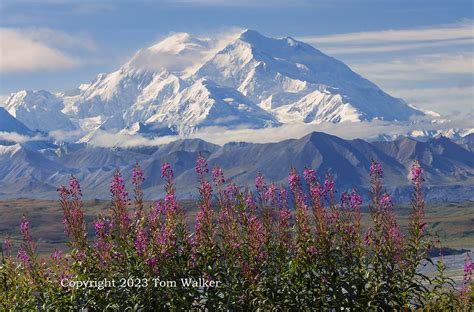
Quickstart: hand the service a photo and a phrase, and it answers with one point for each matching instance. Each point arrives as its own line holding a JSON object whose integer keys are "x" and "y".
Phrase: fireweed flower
{"x": 376, "y": 170}
{"x": 140, "y": 241}
{"x": 218, "y": 176}
{"x": 99, "y": 226}
{"x": 24, "y": 257}
{"x": 7, "y": 246}
{"x": 204, "y": 220}
{"x": 201, "y": 166}
{"x": 137, "y": 181}
{"x": 355, "y": 203}
{"x": 137, "y": 176}
{"x": 270, "y": 193}
{"x": 117, "y": 188}
{"x": 166, "y": 171}
{"x": 368, "y": 237}
{"x": 75, "y": 188}
{"x": 24, "y": 227}
{"x": 249, "y": 202}
{"x": 417, "y": 225}
{"x": 386, "y": 202}
{"x": 121, "y": 201}
{"x": 102, "y": 244}
{"x": 170, "y": 203}
{"x": 56, "y": 256}
{"x": 417, "y": 173}
{"x": 355, "y": 200}
{"x": 328, "y": 185}
{"x": 73, "y": 214}
{"x": 256, "y": 235}
{"x": 259, "y": 182}
{"x": 231, "y": 191}
{"x": 309, "y": 176}
{"x": 467, "y": 278}
{"x": 294, "y": 180}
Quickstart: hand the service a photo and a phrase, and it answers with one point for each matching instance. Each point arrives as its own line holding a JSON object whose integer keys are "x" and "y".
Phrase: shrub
{"x": 274, "y": 248}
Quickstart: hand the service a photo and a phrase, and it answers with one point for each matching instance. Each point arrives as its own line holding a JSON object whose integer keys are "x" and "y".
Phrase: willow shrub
{"x": 278, "y": 248}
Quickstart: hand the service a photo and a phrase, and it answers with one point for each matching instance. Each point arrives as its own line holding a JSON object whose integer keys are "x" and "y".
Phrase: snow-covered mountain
{"x": 8, "y": 123}
{"x": 184, "y": 83}
{"x": 39, "y": 110}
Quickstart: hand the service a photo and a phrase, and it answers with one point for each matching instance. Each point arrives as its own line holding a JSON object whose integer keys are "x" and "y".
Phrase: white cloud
{"x": 183, "y": 52}
{"x": 107, "y": 139}
{"x": 14, "y": 137}
{"x": 59, "y": 39}
{"x": 461, "y": 30}
{"x": 347, "y": 130}
{"x": 422, "y": 67}
{"x": 357, "y": 49}
{"x": 445, "y": 100}
{"x": 33, "y": 49}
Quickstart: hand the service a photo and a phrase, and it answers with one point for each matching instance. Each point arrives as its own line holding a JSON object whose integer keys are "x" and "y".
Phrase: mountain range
{"x": 36, "y": 170}
{"x": 246, "y": 81}
{"x": 184, "y": 83}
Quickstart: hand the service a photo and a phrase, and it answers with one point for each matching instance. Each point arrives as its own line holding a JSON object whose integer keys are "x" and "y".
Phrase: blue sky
{"x": 421, "y": 51}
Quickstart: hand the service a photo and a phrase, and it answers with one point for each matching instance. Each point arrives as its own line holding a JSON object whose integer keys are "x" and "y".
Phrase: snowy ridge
{"x": 184, "y": 83}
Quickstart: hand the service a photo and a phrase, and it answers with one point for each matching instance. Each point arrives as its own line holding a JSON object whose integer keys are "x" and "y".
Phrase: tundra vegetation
{"x": 279, "y": 248}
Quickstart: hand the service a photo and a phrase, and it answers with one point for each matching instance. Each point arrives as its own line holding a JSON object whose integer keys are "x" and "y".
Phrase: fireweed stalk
{"x": 279, "y": 248}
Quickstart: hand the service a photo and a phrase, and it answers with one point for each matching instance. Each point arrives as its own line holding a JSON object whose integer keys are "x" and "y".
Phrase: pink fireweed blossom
{"x": 24, "y": 227}
{"x": 284, "y": 215}
{"x": 156, "y": 213}
{"x": 270, "y": 194}
{"x": 417, "y": 224}
{"x": 7, "y": 246}
{"x": 137, "y": 176}
{"x": 24, "y": 257}
{"x": 121, "y": 201}
{"x": 467, "y": 278}
{"x": 249, "y": 202}
{"x": 231, "y": 191}
{"x": 218, "y": 176}
{"x": 368, "y": 237}
{"x": 166, "y": 171}
{"x": 256, "y": 235}
{"x": 328, "y": 185}
{"x": 137, "y": 181}
{"x": 56, "y": 256}
{"x": 355, "y": 203}
{"x": 201, "y": 166}
{"x": 204, "y": 219}
{"x": 386, "y": 202}
{"x": 376, "y": 169}
{"x": 140, "y": 241}
{"x": 259, "y": 182}
{"x": 355, "y": 200}
{"x": 164, "y": 239}
{"x": 417, "y": 173}
{"x": 170, "y": 203}
{"x": 309, "y": 176}
{"x": 102, "y": 244}
{"x": 75, "y": 188}
{"x": 99, "y": 226}
{"x": 117, "y": 188}
{"x": 282, "y": 198}
{"x": 294, "y": 180}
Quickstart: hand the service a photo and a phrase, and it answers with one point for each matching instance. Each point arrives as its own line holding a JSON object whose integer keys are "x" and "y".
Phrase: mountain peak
{"x": 253, "y": 79}
{"x": 178, "y": 43}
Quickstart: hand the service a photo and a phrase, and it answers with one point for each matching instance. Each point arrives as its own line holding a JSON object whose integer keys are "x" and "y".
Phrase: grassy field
{"x": 452, "y": 222}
